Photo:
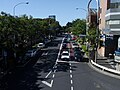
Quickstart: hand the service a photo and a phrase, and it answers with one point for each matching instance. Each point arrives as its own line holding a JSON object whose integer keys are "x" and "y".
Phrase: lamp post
{"x": 86, "y": 19}
{"x": 14, "y": 16}
{"x": 17, "y": 5}
{"x": 97, "y": 23}
{"x": 86, "y": 24}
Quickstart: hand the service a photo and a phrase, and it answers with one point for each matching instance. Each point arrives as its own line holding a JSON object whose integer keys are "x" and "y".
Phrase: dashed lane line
{"x": 71, "y": 77}
{"x": 71, "y": 81}
{"x": 72, "y": 88}
{"x": 70, "y": 71}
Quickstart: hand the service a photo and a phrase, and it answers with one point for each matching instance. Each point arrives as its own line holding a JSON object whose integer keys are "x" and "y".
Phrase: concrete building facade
{"x": 109, "y": 25}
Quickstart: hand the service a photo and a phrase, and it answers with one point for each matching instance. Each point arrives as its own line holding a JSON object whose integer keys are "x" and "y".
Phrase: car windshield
{"x": 65, "y": 54}
{"x": 75, "y": 44}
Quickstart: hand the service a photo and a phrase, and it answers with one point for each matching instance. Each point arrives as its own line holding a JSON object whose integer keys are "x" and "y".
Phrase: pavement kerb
{"x": 103, "y": 68}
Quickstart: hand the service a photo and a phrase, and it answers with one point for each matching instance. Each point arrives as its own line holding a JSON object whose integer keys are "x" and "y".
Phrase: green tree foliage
{"x": 77, "y": 27}
{"x": 92, "y": 35}
{"x": 19, "y": 33}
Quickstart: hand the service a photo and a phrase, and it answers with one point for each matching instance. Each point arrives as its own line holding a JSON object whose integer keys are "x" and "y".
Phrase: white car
{"x": 31, "y": 53}
{"x": 41, "y": 45}
{"x": 65, "y": 55}
{"x": 74, "y": 45}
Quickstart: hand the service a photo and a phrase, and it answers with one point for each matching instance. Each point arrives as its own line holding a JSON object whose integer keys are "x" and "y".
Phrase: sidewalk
{"x": 105, "y": 61}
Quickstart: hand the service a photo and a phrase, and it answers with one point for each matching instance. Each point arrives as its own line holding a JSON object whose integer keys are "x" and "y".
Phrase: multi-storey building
{"x": 110, "y": 24}
{"x": 92, "y": 17}
{"x": 102, "y": 13}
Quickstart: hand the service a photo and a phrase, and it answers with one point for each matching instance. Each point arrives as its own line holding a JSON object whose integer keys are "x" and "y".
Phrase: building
{"x": 103, "y": 9}
{"x": 92, "y": 18}
{"x": 109, "y": 25}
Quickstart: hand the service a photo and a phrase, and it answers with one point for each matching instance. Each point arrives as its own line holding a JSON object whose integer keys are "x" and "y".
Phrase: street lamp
{"x": 86, "y": 18}
{"x": 17, "y": 5}
{"x": 97, "y": 23}
{"x": 14, "y": 16}
{"x": 86, "y": 24}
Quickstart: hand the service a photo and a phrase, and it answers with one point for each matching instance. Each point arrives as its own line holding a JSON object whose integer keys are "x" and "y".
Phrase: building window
{"x": 112, "y": 22}
{"x": 100, "y": 21}
{"x": 115, "y": 5}
{"x": 108, "y": 4}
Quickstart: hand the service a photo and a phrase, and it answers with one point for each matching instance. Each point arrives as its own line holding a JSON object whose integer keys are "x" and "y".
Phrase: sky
{"x": 65, "y": 10}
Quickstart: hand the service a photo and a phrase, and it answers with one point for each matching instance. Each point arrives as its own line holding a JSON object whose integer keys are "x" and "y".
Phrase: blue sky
{"x": 65, "y": 10}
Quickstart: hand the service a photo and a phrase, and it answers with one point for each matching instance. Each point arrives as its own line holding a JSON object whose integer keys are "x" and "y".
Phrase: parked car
{"x": 74, "y": 45}
{"x": 117, "y": 56}
{"x": 64, "y": 45}
{"x": 77, "y": 49}
{"x": 31, "y": 53}
{"x": 41, "y": 45}
{"x": 65, "y": 55}
{"x": 78, "y": 56}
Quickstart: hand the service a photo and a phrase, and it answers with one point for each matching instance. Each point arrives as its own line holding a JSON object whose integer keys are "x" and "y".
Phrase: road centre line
{"x": 71, "y": 76}
{"x": 53, "y": 75}
{"x": 71, "y": 87}
{"x": 70, "y": 71}
{"x": 71, "y": 81}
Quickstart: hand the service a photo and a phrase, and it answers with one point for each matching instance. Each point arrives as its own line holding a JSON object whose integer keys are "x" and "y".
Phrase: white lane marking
{"x": 72, "y": 88}
{"x": 46, "y": 83}
{"x": 48, "y": 74}
{"x": 70, "y": 71}
{"x": 44, "y": 53}
{"x": 59, "y": 51}
{"x": 51, "y": 83}
{"x": 71, "y": 81}
{"x": 71, "y": 76}
{"x": 53, "y": 75}
{"x": 54, "y": 71}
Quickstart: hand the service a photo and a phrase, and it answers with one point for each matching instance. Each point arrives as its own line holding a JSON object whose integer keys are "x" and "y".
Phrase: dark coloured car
{"x": 64, "y": 46}
{"x": 78, "y": 56}
{"x": 77, "y": 49}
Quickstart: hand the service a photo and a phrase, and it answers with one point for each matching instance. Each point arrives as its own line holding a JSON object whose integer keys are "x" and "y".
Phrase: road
{"x": 43, "y": 73}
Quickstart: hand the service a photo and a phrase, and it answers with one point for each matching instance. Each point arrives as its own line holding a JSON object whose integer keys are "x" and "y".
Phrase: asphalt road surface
{"x": 44, "y": 73}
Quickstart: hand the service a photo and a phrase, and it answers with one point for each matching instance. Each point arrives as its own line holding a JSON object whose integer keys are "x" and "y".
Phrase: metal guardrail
{"x": 105, "y": 68}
